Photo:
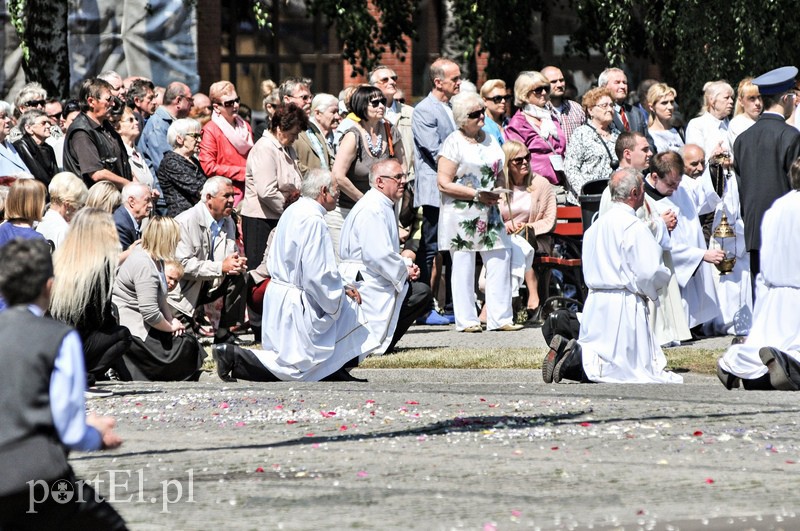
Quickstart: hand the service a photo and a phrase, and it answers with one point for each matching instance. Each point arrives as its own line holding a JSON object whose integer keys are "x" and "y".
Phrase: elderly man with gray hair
{"x": 623, "y": 268}
{"x": 212, "y": 266}
{"x": 313, "y": 326}
{"x": 136, "y": 205}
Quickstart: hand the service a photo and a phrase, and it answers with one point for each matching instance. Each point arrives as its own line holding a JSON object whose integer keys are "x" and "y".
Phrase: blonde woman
{"x": 531, "y": 206}
{"x": 748, "y": 108}
{"x": 160, "y": 350}
{"x": 105, "y": 196}
{"x": 24, "y": 207}
{"x": 661, "y": 102}
{"x": 710, "y": 129}
{"x": 84, "y": 268}
{"x": 68, "y": 194}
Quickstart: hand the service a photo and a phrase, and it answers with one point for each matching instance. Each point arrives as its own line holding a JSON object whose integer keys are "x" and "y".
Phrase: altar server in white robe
{"x": 770, "y": 356}
{"x": 667, "y": 316}
{"x": 369, "y": 250}
{"x": 691, "y": 259}
{"x": 313, "y": 327}
{"x": 623, "y": 269}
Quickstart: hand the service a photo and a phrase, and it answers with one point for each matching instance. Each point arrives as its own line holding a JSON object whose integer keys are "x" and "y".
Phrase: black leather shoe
{"x": 343, "y": 376}
{"x": 224, "y": 357}
{"x": 778, "y": 377}
{"x": 557, "y": 346}
{"x": 728, "y": 380}
{"x": 233, "y": 340}
{"x": 557, "y": 377}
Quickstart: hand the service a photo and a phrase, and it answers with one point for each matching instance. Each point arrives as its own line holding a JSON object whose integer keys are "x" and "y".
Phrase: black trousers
{"x": 82, "y": 512}
{"x": 103, "y": 348}
{"x": 233, "y": 292}
{"x": 755, "y": 269}
{"x": 417, "y": 301}
{"x": 255, "y": 233}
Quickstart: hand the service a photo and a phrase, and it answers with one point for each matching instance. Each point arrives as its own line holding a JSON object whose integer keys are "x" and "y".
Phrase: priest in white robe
{"x": 770, "y": 356}
{"x": 313, "y": 327}
{"x": 623, "y": 269}
{"x": 369, "y": 250}
{"x": 667, "y": 316}
{"x": 692, "y": 260}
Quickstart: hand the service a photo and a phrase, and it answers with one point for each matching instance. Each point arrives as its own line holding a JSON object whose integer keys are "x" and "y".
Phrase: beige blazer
{"x": 194, "y": 252}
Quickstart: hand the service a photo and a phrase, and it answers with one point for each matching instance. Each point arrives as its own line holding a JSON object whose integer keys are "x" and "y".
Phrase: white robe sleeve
{"x": 643, "y": 255}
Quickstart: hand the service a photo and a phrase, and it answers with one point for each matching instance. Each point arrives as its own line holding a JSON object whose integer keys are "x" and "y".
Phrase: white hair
{"x": 314, "y": 181}
{"x": 137, "y": 190}
{"x": 181, "y": 128}
{"x": 322, "y": 101}
{"x": 462, "y": 104}
{"x": 602, "y": 79}
{"x": 213, "y": 186}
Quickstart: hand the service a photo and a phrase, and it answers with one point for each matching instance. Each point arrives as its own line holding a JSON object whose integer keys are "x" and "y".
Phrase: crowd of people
{"x": 170, "y": 220}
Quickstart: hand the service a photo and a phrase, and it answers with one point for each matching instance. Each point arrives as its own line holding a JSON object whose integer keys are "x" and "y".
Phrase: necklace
{"x": 472, "y": 140}
{"x": 376, "y": 149}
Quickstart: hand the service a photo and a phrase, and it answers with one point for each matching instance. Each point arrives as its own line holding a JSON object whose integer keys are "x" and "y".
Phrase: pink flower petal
{"x": 515, "y": 513}
{"x": 586, "y": 424}
{"x": 362, "y": 474}
{"x": 224, "y": 405}
{"x": 489, "y": 526}
{"x": 278, "y": 407}
{"x": 310, "y": 434}
{"x": 412, "y": 402}
{"x": 370, "y": 401}
{"x": 291, "y": 421}
{"x": 240, "y": 424}
{"x": 342, "y": 428}
{"x": 328, "y": 414}
{"x": 259, "y": 469}
{"x": 709, "y": 481}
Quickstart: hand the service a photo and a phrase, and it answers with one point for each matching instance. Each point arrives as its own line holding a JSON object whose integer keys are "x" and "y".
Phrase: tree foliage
{"x": 504, "y": 30}
{"x": 692, "y": 41}
{"x": 363, "y": 36}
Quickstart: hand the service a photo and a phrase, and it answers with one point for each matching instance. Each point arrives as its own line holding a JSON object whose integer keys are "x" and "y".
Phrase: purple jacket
{"x": 520, "y": 129}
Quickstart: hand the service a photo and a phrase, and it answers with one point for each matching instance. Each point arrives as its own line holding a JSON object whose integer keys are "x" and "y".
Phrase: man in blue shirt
{"x": 43, "y": 358}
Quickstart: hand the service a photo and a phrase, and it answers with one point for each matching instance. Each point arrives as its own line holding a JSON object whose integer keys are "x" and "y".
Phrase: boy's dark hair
{"x": 27, "y": 266}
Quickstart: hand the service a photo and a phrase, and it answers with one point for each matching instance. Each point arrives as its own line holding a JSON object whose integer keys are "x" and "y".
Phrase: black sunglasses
{"x": 386, "y": 79}
{"x": 499, "y": 99}
{"x": 476, "y": 114}
{"x": 35, "y": 103}
{"x": 230, "y": 103}
{"x": 401, "y": 100}
{"x": 519, "y": 160}
{"x": 544, "y": 89}
{"x": 379, "y": 101}
{"x": 56, "y": 116}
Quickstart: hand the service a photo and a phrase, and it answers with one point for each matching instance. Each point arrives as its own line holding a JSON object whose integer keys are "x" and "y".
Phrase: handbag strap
{"x": 610, "y": 156}
{"x": 389, "y": 138}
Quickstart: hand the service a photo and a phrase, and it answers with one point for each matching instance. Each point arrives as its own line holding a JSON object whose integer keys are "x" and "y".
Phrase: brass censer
{"x": 724, "y": 231}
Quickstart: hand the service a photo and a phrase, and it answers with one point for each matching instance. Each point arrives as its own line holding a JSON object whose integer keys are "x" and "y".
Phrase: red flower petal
{"x": 370, "y": 401}
{"x": 412, "y": 402}
{"x": 342, "y": 428}
{"x": 554, "y": 448}
{"x": 586, "y": 424}
{"x": 291, "y": 421}
{"x": 483, "y": 400}
{"x": 259, "y": 469}
{"x": 709, "y": 481}
{"x": 698, "y": 433}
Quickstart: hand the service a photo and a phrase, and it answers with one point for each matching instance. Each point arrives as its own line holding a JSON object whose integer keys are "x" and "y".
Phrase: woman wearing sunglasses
{"x": 227, "y": 138}
{"x": 529, "y": 213}
{"x": 362, "y": 145}
{"x": 470, "y": 169}
{"x": 535, "y": 126}
{"x": 180, "y": 173}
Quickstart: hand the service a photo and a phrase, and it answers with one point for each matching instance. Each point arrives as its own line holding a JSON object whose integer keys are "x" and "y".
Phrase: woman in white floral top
{"x": 470, "y": 166}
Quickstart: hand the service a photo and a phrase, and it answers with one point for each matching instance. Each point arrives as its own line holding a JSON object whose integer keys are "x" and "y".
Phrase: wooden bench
{"x": 568, "y": 232}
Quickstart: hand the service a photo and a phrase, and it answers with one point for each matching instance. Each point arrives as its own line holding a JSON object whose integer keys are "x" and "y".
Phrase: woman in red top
{"x": 227, "y": 139}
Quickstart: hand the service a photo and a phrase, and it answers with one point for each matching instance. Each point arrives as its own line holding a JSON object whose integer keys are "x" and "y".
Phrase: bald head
{"x": 694, "y": 160}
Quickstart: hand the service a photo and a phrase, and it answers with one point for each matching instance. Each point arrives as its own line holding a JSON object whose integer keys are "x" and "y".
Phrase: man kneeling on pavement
{"x": 623, "y": 268}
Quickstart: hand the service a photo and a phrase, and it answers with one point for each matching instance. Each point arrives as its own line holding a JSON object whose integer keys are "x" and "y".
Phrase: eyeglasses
{"x": 476, "y": 114}
{"x": 196, "y": 135}
{"x": 499, "y": 99}
{"x": 56, "y": 116}
{"x": 544, "y": 89}
{"x": 190, "y": 99}
{"x": 35, "y": 103}
{"x": 376, "y": 102}
{"x": 399, "y": 177}
{"x": 230, "y": 103}
{"x": 304, "y": 97}
{"x": 519, "y": 160}
{"x": 45, "y": 123}
{"x": 606, "y": 105}
{"x": 387, "y": 78}
{"x": 401, "y": 100}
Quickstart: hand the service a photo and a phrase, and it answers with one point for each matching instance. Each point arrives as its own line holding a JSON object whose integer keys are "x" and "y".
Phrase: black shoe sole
{"x": 557, "y": 346}
{"x": 729, "y": 380}
{"x": 777, "y": 375}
